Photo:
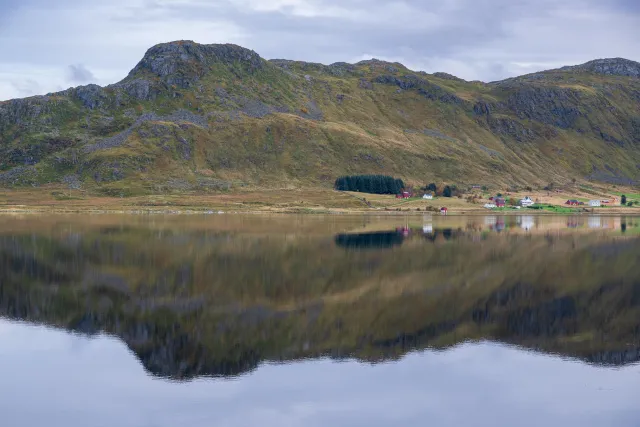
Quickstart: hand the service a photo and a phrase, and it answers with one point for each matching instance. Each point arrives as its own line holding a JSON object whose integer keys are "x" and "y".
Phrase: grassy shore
{"x": 301, "y": 200}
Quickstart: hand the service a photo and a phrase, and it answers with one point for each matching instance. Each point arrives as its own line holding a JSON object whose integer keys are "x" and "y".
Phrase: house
{"x": 500, "y": 202}
{"x": 490, "y": 206}
{"x": 526, "y": 202}
{"x": 595, "y": 203}
{"x": 572, "y": 202}
{"x": 492, "y": 198}
{"x": 444, "y": 211}
{"x": 428, "y": 197}
{"x": 403, "y": 195}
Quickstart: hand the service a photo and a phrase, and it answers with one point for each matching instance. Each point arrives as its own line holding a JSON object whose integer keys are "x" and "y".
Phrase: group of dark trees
{"x": 374, "y": 184}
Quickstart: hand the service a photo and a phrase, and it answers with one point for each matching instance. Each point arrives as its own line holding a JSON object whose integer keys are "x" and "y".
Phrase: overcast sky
{"x": 50, "y": 45}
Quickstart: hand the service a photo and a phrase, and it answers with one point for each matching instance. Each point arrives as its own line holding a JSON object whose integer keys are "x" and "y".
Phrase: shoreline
{"x": 373, "y": 212}
{"x": 301, "y": 201}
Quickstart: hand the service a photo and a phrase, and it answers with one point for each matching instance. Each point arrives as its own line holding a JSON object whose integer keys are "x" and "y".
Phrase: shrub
{"x": 623, "y": 200}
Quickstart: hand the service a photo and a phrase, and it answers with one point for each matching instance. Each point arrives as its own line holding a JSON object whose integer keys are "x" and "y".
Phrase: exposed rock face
{"x": 609, "y": 66}
{"x": 508, "y": 127}
{"x": 429, "y": 90}
{"x": 183, "y": 63}
{"x": 32, "y": 113}
{"x": 92, "y": 96}
{"x": 447, "y": 76}
{"x": 139, "y": 89}
{"x": 553, "y": 106}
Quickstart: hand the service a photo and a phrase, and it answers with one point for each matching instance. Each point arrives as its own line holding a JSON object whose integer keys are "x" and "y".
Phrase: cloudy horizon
{"x": 47, "y": 48}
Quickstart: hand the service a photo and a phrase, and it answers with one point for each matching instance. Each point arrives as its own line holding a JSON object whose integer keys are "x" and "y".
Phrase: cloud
{"x": 80, "y": 74}
{"x": 26, "y": 87}
{"x": 474, "y": 39}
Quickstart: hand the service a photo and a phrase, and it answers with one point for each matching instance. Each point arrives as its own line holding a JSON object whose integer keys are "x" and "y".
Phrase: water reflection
{"x": 218, "y": 297}
{"x": 381, "y": 239}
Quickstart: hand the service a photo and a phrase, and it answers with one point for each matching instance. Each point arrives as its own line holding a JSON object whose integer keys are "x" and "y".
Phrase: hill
{"x": 208, "y": 118}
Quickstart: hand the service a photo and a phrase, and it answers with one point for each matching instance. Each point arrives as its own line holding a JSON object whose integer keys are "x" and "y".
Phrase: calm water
{"x": 229, "y": 320}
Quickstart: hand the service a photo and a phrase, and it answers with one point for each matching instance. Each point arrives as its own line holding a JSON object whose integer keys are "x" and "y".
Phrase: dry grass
{"x": 284, "y": 200}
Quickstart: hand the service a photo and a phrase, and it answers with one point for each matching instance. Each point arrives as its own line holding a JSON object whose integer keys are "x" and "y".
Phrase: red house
{"x": 572, "y": 203}
{"x": 444, "y": 211}
{"x": 403, "y": 195}
{"x": 500, "y": 202}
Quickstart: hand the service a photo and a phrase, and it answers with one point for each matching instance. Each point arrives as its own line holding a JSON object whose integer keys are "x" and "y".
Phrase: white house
{"x": 490, "y": 206}
{"x": 428, "y": 197}
{"x": 595, "y": 203}
{"x": 527, "y": 201}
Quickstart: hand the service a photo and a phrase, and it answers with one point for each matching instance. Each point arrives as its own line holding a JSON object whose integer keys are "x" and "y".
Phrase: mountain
{"x": 192, "y": 117}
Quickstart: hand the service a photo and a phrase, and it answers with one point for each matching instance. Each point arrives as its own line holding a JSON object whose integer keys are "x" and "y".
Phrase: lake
{"x": 242, "y": 320}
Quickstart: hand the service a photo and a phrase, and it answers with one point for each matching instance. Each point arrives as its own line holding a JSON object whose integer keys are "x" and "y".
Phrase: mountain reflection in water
{"x": 217, "y": 296}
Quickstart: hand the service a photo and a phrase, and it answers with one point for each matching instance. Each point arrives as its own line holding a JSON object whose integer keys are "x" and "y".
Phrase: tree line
{"x": 373, "y": 184}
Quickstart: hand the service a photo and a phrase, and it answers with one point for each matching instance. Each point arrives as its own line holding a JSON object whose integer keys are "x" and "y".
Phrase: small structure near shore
{"x": 526, "y": 202}
{"x": 444, "y": 211}
{"x": 595, "y": 203}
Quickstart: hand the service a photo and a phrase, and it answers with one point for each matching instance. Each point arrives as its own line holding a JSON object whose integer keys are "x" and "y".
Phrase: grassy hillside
{"x": 211, "y": 118}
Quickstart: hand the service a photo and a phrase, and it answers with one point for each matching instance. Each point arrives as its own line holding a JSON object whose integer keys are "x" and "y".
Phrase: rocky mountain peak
{"x": 175, "y": 61}
{"x": 609, "y": 66}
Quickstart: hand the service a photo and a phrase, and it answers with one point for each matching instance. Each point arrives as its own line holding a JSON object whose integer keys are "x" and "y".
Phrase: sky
{"x": 48, "y": 45}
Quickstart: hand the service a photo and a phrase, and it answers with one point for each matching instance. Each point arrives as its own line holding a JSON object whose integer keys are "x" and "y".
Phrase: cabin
{"x": 428, "y": 197}
{"x": 444, "y": 211}
{"x": 490, "y": 206}
{"x": 526, "y": 202}
{"x": 403, "y": 195}
{"x": 500, "y": 202}
{"x": 572, "y": 202}
{"x": 595, "y": 203}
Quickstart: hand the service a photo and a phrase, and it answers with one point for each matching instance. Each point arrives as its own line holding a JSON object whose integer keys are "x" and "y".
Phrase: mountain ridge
{"x": 213, "y": 117}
